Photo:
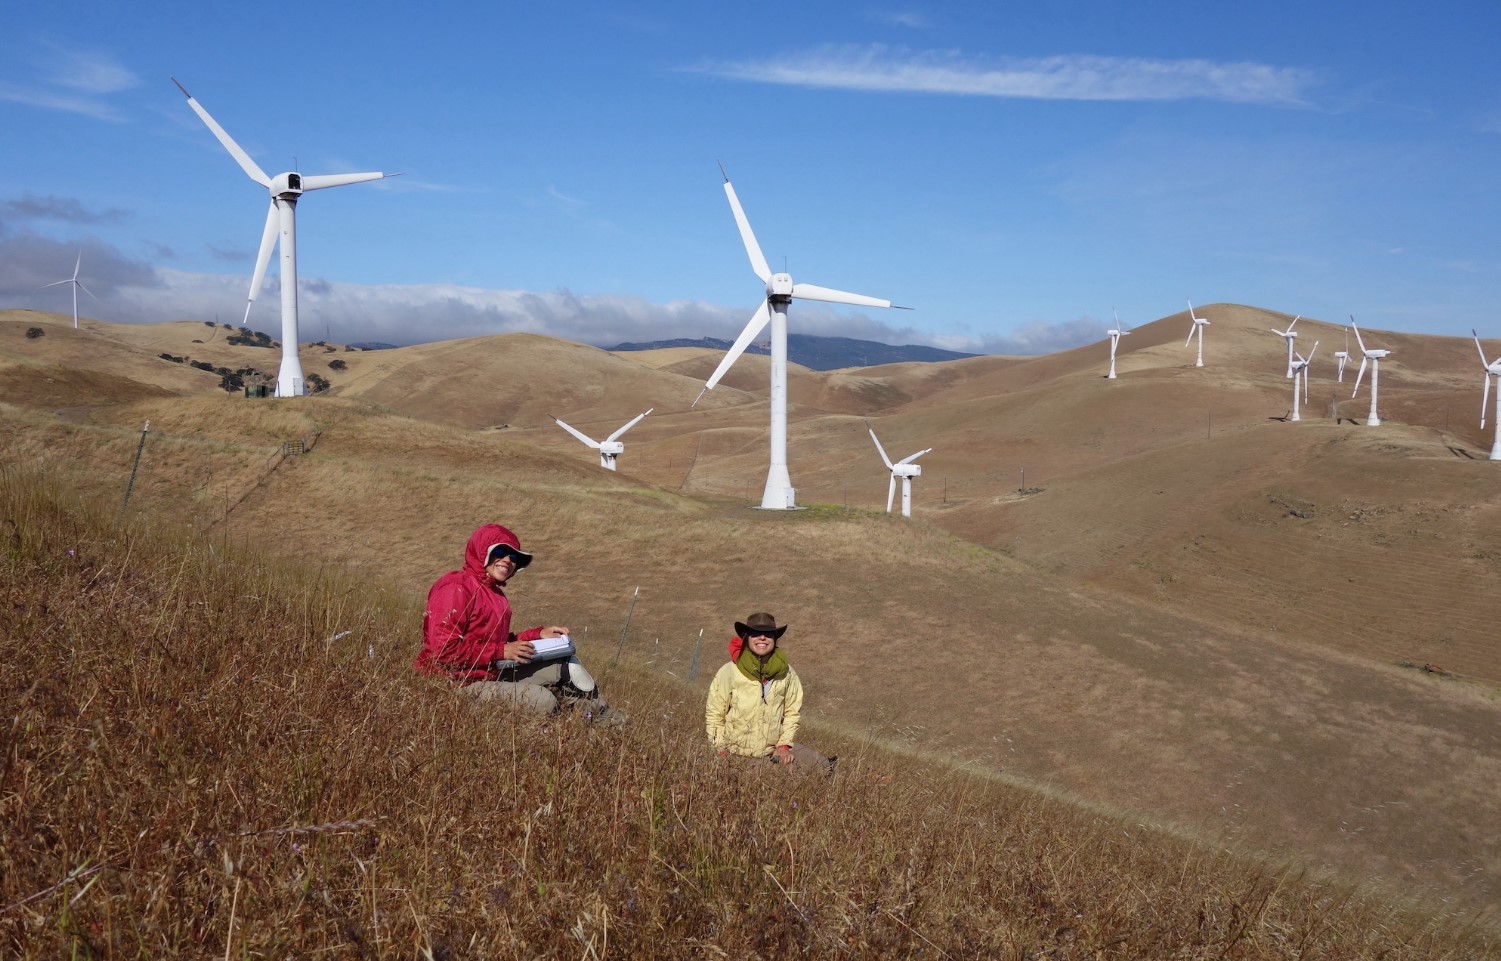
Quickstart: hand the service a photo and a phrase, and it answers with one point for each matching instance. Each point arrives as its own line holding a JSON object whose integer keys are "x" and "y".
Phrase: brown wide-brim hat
{"x": 760, "y": 623}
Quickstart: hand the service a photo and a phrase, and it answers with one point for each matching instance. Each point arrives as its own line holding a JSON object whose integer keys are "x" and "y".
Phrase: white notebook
{"x": 550, "y": 647}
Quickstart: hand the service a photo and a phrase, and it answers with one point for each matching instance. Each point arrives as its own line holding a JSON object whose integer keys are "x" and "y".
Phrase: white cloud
{"x": 1063, "y": 77}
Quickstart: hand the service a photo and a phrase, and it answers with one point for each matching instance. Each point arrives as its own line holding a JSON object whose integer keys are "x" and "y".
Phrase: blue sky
{"x": 1013, "y": 172}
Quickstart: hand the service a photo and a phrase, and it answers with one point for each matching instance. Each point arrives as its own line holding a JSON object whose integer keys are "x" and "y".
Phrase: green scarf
{"x": 774, "y": 669}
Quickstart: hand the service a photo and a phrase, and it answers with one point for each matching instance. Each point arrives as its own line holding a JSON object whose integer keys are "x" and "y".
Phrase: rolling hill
{"x": 1257, "y": 632}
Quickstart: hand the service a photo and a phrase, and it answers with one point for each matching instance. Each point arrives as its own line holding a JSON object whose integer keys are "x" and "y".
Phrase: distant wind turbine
{"x": 1199, "y": 324}
{"x": 75, "y": 283}
{"x": 1288, "y": 335}
{"x": 281, "y": 228}
{"x": 1374, "y": 358}
{"x": 1116, "y": 333}
{"x": 1300, "y": 372}
{"x": 611, "y": 447}
{"x": 779, "y": 494}
{"x": 1492, "y": 371}
{"x": 906, "y": 469}
{"x": 1342, "y": 357}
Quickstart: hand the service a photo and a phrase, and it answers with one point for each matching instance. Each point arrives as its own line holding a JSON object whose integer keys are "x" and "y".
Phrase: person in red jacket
{"x": 467, "y": 636}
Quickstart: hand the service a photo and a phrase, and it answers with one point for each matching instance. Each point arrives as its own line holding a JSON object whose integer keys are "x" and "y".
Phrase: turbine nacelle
{"x": 611, "y": 448}
{"x": 907, "y": 470}
{"x": 779, "y": 287}
{"x": 286, "y": 186}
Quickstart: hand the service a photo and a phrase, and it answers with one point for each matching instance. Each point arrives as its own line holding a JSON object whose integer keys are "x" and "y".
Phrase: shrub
{"x": 316, "y": 384}
{"x": 337, "y": 364}
{"x": 32, "y": 333}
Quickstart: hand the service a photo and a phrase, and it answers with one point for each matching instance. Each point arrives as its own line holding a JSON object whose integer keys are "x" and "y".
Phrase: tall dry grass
{"x": 211, "y": 754}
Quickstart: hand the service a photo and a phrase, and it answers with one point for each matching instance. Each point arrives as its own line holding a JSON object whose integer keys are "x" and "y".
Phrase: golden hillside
{"x": 1194, "y": 611}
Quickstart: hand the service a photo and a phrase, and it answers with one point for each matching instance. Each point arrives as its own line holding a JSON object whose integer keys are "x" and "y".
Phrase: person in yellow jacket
{"x": 756, "y": 700}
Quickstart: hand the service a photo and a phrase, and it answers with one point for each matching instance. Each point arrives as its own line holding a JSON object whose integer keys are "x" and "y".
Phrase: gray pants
{"x": 534, "y": 687}
{"x": 805, "y": 760}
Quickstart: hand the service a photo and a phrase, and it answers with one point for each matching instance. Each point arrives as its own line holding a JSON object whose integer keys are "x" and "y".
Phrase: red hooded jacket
{"x": 468, "y": 619}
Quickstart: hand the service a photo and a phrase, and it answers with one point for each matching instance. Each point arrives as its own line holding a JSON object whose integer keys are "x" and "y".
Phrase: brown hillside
{"x": 1194, "y": 612}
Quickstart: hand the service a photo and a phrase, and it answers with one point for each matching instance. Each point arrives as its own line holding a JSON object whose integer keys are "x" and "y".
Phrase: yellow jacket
{"x": 742, "y": 719}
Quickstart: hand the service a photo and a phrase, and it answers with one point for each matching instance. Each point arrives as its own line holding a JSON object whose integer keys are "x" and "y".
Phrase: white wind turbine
{"x": 281, "y": 227}
{"x": 1374, "y": 357}
{"x": 1288, "y": 335}
{"x": 1342, "y": 357}
{"x": 1199, "y": 324}
{"x": 906, "y": 469}
{"x": 780, "y": 291}
{"x": 609, "y": 448}
{"x": 1300, "y": 372}
{"x": 75, "y": 283}
{"x": 1492, "y": 370}
{"x": 1116, "y": 333}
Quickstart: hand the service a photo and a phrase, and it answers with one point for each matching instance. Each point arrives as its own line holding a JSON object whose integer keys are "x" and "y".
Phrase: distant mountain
{"x": 372, "y": 345}
{"x": 819, "y": 353}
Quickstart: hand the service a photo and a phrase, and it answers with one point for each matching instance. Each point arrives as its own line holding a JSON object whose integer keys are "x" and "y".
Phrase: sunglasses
{"x": 507, "y": 553}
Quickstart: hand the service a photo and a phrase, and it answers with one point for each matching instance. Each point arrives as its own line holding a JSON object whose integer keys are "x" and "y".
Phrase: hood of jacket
{"x": 477, "y": 551}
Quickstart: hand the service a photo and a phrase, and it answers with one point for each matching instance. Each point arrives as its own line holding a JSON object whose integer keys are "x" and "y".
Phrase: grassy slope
{"x": 1128, "y": 659}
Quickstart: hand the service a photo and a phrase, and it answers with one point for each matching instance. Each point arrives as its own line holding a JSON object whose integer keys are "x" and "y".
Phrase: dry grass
{"x": 210, "y": 755}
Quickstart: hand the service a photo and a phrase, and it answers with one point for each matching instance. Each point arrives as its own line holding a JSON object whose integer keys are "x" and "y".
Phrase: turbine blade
{"x": 1191, "y": 329}
{"x": 587, "y": 440}
{"x": 1358, "y": 339}
{"x": 912, "y": 457}
{"x": 884, "y": 459}
{"x": 1483, "y": 362}
{"x": 1191, "y": 311}
{"x": 831, "y": 296}
{"x": 890, "y": 493}
{"x": 338, "y": 180}
{"x": 1312, "y": 352}
{"x": 1359, "y": 375}
{"x": 1485, "y": 398}
{"x": 1295, "y": 322}
{"x": 757, "y": 324}
{"x": 636, "y": 420}
{"x": 85, "y": 289}
{"x": 752, "y": 249}
{"x": 268, "y": 241}
{"x": 251, "y": 168}
{"x": 78, "y": 265}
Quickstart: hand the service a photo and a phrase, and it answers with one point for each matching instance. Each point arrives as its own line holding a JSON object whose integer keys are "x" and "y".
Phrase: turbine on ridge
{"x": 281, "y": 228}
{"x": 1199, "y": 324}
{"x": 1116, "y": 333}
{"x": 906, "y": 469}
{"x": 1492, "y": 370}
{"x": 1300, "y": 372}
{"x": 1288, "y": 335}
{"x": 780, "y": 292}
{"x": 1374, "y": 358}
{"x": 611, "y": 447}
{"x": 75, "y": 283}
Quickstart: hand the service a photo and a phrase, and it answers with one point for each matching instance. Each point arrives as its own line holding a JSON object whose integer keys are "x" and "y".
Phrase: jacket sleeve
{"x": 793, "y": 709}
{"x": 446, "y": 637}
{"x": 717, "y": 709}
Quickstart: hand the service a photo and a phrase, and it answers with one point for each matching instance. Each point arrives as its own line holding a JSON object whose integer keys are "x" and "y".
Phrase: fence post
{"x": 626, "y": 629}
{"x": 133, "y": 468}
{"x": 693, "y": 663}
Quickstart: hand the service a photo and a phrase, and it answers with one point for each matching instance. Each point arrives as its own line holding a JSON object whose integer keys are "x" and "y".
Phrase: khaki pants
{"x": 534, "y": 687}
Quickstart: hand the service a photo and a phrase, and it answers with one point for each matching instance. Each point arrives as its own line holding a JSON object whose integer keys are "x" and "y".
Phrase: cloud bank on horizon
{"x": 1010, "y": 175}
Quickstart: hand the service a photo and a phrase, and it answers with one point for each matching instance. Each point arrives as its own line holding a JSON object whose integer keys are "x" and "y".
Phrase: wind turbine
{"x": 1300, "y": 372}
{"x": 779, "y": 494}
{"x": 281, "y": 227}
{"x": 1199, "y": 324}
{"x": 906, "y": 469}
{"x": 1343, "y": 356}
{"x": 76, "y": 283}
{"x": 609, "y": 448}
{"x": 1374, "y": 356}
{"x": 1116, "y": 333}
{"x": 1288, "y": 335}
{"x": 1492, "y": 369}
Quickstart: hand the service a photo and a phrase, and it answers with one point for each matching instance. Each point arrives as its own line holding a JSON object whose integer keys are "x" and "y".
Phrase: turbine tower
{"x": 906, "y": 469}
{"x": 611, "y": 447}
{"x": 1492, "y": 370}
{"x": 75, "y": 283}
{"x": 1288, "y": 335}
{"x": 1199, "y": 324}
{"x": 1374, "y": 357}
{"x": 281, "y": 227}
{"x": 1116, "y": 333}
{"x": 1300, "y": 372}
{"x": 779, "y": 494}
